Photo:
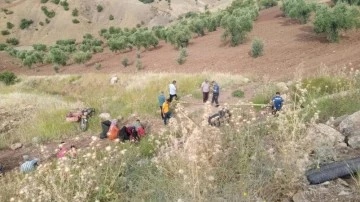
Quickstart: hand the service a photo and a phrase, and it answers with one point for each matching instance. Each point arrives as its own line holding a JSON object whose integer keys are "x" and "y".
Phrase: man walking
{"x": 166, "y": 111}
{"x": 205, "y": 88}
{"x": 216, "y": 92}
{"x": 172, "y": 90}
{"x": 277, "y": 102}
{"x": 161, "y": 99}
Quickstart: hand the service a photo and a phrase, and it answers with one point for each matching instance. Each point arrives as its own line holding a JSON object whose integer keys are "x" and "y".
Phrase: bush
{"x": 147, "y": 1}
{"x": 125, "y": 62}
{"x": 2, "y": 46}
{"x": 8, "y": 78}
{"x": 111, "y": 17}
{"x": 332, "y": 21}
{"x": 56, "y": 68}
{"x": 99, "y": 8}
{"x": 182, "y": 56}
{"x": 49, "y": 14}
{"x": 24, "y": 23}
{"x": 297, "y": 9}
{"x": 75, "y": 21}
{"x": 350, "y": 2}
{"x": 139, "y": 65}
{"x": 65, "y": 5}
{"x": 47, "y": 21}
{"x": 198, "y": 26}
{"x": 9, "y": 25}
{"x": 5, "y": 32}
{"x": 12, "y": 41}
{"x": 257, "y": 48}
{"x": 81, "y": 57}
{"x": 268, "y": 3}
{"x": 57, "y": 56}
{"x": 238, "y": 93}
{"x": 75, "y": 12}
{"x": 39, "y": 47}
{"x": 98, "y": 66}
{"x": 44, "y": 1}
{"x": 41, "y": 23}
{"x": 55, "y": 1}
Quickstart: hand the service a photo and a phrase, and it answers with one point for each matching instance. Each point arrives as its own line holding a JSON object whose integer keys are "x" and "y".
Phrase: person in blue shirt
{"x": 161, "y": 99}
{"x": 29, "y": 165}
{"x": 216, "y": 92}
{"x": 277, "y": 102}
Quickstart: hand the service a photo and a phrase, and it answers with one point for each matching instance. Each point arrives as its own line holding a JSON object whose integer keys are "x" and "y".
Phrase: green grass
{"x": 264, "y": 95}
{"x": 238, "y": 93}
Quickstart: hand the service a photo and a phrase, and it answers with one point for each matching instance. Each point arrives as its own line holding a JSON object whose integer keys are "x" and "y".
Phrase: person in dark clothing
{"x": 216, "y": 93}
{"x": 277, "y": 103}
{"x": 105, "y": 125}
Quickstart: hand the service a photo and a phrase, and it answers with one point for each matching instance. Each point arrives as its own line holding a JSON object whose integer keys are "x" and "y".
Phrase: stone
{"x": 299, "y": 197}
{"x": 342, "y": 182}
{"x": 338, "y": 120}
{"x": 16, "y": 146}
{"x": 320, "y": 134}
{"x": 343, "y": 193}
{"x": 350, "y": 126}
{"x": 113, "y": 80}
{"x": 354, "y": 142}
{"x": 105, "y": 116}
{"x": 282, "y": 87}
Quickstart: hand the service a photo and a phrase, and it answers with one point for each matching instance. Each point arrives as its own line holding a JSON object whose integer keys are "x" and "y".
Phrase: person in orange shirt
{"x": 166, "y": 111}
{"x": 113, "y": 130}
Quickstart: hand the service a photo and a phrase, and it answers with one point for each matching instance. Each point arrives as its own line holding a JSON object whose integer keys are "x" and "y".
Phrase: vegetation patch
{"x": 8, "y": 78}
{"x": 238, "y": 93}
{"x": 257, "y": 48}
{"x": 24, "y": 23}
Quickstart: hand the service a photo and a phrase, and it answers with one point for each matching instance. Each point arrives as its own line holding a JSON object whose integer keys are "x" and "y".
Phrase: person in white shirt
{"x": 172, "y": 90}
{"x": 205, "y": 88}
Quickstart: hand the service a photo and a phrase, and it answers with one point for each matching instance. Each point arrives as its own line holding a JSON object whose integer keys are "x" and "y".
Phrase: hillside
{"x": 126, "y": 14}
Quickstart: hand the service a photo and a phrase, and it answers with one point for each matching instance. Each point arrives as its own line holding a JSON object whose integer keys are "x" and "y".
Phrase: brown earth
{"x": 290, "y": 48}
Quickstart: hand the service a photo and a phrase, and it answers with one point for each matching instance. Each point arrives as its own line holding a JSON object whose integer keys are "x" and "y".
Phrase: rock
{"x": 350, "y": 126}
{"x": 343, "y": 193}
{"x": 338, "y": 120}
{"x": 342, "y": 182}
{"x": 354, "y": 142}
{"x": 105, "y": 116}
{"x": 341, "y": 145}
{"x": 321, "y": 134}
{"x": 16, "y": 146}
{"x": 246, "y": 80}
{"x": 299, "y": 197}
{"x": 114, "y": 79}
{"x": 282, "y": 87}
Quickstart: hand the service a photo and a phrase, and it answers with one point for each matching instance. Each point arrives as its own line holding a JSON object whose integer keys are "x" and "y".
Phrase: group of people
{"x": 112, "y": 131}
{"x": 206, "y": 88}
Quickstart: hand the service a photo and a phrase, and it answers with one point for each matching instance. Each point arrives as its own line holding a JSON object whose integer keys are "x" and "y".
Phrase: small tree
{"x": 81, "y": 57}
{"x": 125, "y": 62}
{"x": 139, "y": 65}
{"x": 111, "y": 17}
{"x": 257, "y": 48}
{"x": 182, "y": 56}
{"x": 2, "y": 46}
{"x": 8, "y": 78}
{"x": 75, "y": 12}
{"x": 75, "y": 21}
{"x": 24, "y": 23}
{"x": 12, "y": 41}
{"x": 331, "y": 21}
{"x": 297, "y": 9}
{"x": 9, "y": 25}
{"x": 57, "y": 56}
{"x": 237, "y": 26}
{"x": 39, "y": 47}
{"x": 5, "y": 32}
{"x": 99, "y": 8}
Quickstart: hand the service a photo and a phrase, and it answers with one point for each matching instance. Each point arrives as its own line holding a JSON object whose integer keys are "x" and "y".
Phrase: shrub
{"x": 49, "y": 14}
{"x": 139, "y": 65}
{"x": 268, "y": 3}
{"x": 8, "y": 78}
{"x": 56, "y": 68}
{"x": 238, "y": 93}
{"x": 297, "y": 9}
{"x": 97, "y": 66}
{"x": 257, "y": 48}
{"x": 125, "y": 62}
{"x": 99, "y": 8}
{"x": 333, "y": 20}
{"x": 111, "y": 17}
{"x": 2, "y": 46}
{"x": 24, "y": 23}
{"x": 57, "y": 56}
{"x": 182, "y": 56}
{"x": 179, "y": 36}
{"x": 47, "y": 21}
{"x": 44, "y": 1}
{"x": 12, "y": 41}
{"x": 81, "y": 56}
{"x": 55, "y": 1}
{"x": 198, "y": 26}
{"x": 39, "y": 47}
{"x": 75, "y": 12}
{"x": 65, "y": 5}
{"x": 147, "y": 1}
{"x": 9, "y": 25}
{"x": 5, "y": 32}
{"x": 75, "y": 21}
{"x": 41, "y": 23}
{"x": 6, "y": 11}
{"x": 119, "y": 43}
{"x": 350, "y": 2}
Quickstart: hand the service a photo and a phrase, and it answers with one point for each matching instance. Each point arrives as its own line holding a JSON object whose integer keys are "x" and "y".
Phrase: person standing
{"x": 161, "y": 99}
{"x": 172, "y": 90}
{"x": 166, "y": 111}
{"x": 216, "y": 92}
{"x": 205, "y": 88}
{"x": 277, "y": 102}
